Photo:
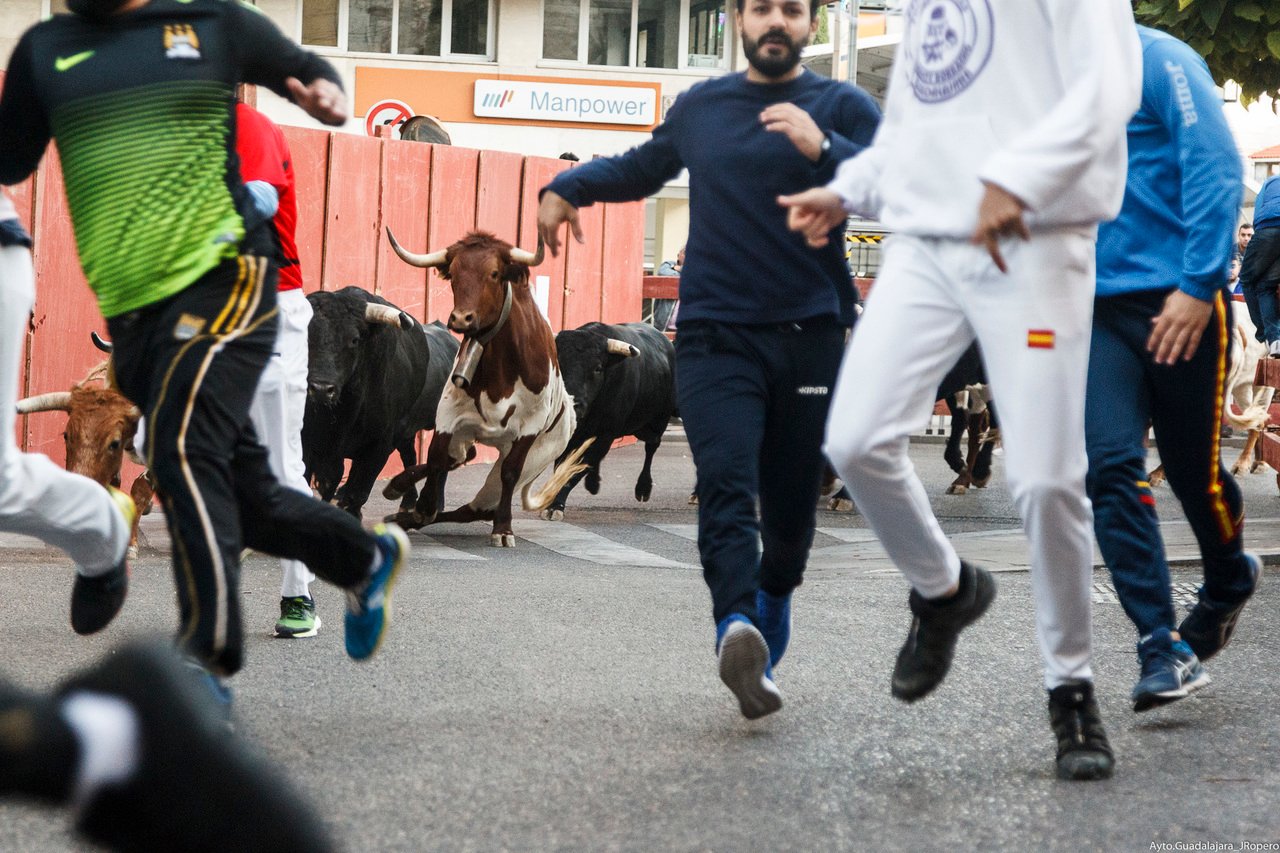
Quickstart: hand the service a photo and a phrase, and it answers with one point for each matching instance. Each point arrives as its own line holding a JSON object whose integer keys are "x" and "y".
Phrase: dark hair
{"x": 569, "y": 155}
{"x": 814, "y": 5}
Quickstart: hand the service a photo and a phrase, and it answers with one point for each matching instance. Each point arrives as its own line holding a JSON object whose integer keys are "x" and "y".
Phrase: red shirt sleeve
{"x": 258, "y": 144}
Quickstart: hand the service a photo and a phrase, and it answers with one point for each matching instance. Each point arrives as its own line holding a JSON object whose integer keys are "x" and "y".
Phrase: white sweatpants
{"x": 932, "y": 298}
{"x": 37, "y": 498}
{"x": 277, "y": 411}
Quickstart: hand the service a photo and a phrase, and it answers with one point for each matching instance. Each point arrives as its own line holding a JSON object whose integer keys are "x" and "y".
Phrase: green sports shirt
{"x": 141, "y": 109}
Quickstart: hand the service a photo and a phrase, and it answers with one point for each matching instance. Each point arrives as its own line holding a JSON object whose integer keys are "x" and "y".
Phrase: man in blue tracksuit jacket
{"x": 1260, "y": 266}
{"x": 1161, "y": 341}
{"x": 762, "y": 316}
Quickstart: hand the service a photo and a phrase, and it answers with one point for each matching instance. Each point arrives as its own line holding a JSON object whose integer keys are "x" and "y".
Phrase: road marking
{"x": 425, "y": 546}
{"x": 572, "y": 541}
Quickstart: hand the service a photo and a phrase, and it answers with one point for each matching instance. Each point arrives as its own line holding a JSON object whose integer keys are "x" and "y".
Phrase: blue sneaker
{"x": 369, "y": 605}
{"x": 1170, "y": 671}
{"x": 773, "y": 618}
{"x": 744, "y": 666}
{"x": 1210, "y": 624}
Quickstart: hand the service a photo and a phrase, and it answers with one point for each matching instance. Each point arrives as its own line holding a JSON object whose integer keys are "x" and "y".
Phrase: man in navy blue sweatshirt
{"x": 1161, "y": 341}
{"x": 763, "y": 318}
{"x": 1260, "y": 266}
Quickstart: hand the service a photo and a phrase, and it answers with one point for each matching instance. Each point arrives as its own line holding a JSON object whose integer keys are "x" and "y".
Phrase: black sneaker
{"x": 196, "y": 786}
{"x": 95, "y": 601}
{"x": 1210, "y": 624}
{"x": 926, "y": 655}
{"x": 1083, "y": 750}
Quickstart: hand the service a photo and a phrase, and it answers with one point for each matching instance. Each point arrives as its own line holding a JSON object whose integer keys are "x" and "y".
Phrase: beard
{"x": 95, "y": 10}
{"x": 773, "y": 66}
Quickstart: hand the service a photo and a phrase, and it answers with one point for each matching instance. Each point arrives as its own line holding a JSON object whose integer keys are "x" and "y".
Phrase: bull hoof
{"x": 393, "y": 491}
{"x": 407, "y": 520}
{"x": 593, "y": 484}
{"x": 642, "y": 494}
{"x": 1236, "y": 470}
{"x": 553, "y": 514}
{"x": 132, "y": 553}
{"x": 693, "y": 499}
{"x": 840, "y": 505}
{"x": 957, "y": 489}
{"x": 981, "y": 483}
{"x": 502, "y": 540}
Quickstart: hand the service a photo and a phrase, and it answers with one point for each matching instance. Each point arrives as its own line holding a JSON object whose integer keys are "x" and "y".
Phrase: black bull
{"x": 622, "y": 379}
{"x": 374, "y": 377}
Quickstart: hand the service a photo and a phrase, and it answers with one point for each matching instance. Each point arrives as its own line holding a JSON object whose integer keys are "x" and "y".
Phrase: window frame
{"x": 682, "y": 36}
{"x": 446, "y": 36}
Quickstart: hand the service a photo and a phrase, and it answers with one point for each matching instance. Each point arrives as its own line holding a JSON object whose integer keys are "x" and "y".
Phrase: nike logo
{"x": 63, "y": 63}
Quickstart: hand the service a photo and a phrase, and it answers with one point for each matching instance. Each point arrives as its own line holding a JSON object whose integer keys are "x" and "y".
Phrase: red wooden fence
{"x": 349, "y": 189}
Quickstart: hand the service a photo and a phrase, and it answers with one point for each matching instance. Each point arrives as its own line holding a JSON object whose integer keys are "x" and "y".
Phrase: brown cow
{"x": 101, "y": 425}
{"x": 505, "y": 390}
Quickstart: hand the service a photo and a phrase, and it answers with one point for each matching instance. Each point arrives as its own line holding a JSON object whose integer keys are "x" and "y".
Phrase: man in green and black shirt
{"x": 138, "y": 95}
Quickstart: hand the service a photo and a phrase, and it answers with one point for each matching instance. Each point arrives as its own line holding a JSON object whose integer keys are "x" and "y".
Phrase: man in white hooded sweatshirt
{"x": 1002, "y": 148}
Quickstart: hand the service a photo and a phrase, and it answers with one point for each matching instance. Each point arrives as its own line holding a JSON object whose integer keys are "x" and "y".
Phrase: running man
{"x": 139, "y": 96}
{"x": 1002, "y": 149}
{"x": 37, "y": 498}
{"x": 1162, "y": 334}
{"x": 763, "y": 318}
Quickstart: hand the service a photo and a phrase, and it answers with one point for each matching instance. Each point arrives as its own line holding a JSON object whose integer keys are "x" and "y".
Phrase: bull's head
{"x": 341, "y": 322}
{"x": 101, "y": 424}
{"x": 478, "y": 268}
{"x": 585, "y": 356}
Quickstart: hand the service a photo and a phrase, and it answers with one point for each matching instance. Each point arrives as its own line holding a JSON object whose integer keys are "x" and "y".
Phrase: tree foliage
{"x": 1240, "y": 39}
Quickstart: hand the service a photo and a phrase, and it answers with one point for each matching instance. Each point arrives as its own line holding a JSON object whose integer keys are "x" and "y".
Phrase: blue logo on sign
{"x": 946, "y": 46}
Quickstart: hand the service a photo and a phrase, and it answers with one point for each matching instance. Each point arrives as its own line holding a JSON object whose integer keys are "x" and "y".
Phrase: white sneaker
{"x": 1273, "y": 349}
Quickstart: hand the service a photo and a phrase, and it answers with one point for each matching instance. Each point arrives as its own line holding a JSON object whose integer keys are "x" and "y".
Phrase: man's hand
{"x": 798, "y": 126}
{"x": 554, "y": 211}
{"x": 322, "y": 99}
{"x": 814, "y": 213}
{"x": 1176, "y": 330}
{"x": 999, "y": 215}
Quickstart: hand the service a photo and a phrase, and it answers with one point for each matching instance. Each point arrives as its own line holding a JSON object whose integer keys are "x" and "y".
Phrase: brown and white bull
{"x": 101, "y": 424}
{"x": 506, "y": 390}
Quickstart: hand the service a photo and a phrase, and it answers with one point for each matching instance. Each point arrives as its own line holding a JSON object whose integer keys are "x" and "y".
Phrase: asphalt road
{"x": 563, "y": 696}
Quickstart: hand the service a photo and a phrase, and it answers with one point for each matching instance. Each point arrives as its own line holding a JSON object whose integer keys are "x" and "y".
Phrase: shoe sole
{"x": 744, "y": 655}
{"x": 286, "y": 634}
{"x": 1147, "y": 701}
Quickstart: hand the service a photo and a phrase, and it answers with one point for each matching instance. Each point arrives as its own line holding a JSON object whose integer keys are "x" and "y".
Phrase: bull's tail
{"x": 1255, "y": 417}
{"x": 560, "y": 475}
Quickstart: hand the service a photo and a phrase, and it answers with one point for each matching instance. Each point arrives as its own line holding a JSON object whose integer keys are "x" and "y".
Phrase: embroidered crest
{"x": 187, "y": 327}
{"x": 946, "y": 45}
{"x": 181, "y": 42}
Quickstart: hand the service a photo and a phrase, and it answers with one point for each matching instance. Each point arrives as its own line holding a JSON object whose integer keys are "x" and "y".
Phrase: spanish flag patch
{"x": 1040, "y": 338}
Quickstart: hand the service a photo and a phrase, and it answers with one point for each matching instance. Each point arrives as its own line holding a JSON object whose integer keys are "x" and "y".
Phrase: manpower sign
{"x": 565, "y": 102}
{"x": 468, "y": 97}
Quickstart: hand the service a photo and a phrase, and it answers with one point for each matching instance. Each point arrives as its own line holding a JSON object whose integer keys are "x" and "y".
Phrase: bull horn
{"x": 375, "y": 312}
{"x": 529, "y": 259}
{"x": 622, "y": 348}
{"x": 105, "y": 346}
{"x": 53, "y": 401}
{"x": 430, "y": 259}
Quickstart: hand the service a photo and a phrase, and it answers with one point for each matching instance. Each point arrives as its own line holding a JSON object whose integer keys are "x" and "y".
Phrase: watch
{"x": 824, "y": 150}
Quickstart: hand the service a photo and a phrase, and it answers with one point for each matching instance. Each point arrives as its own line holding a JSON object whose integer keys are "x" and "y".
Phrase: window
{"x": 401, "y": 27}
{"x": 635, "y": 33}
